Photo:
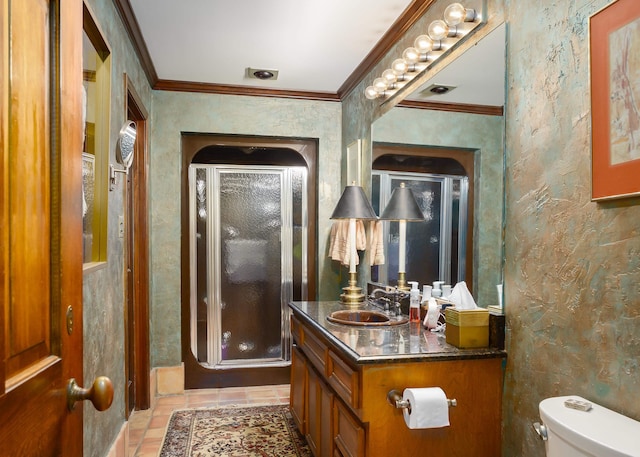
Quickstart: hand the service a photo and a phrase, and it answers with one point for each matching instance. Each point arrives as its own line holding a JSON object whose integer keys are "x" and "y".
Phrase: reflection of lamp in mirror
{"x": 402, "y": 207}
{"x": 353, "y": 205}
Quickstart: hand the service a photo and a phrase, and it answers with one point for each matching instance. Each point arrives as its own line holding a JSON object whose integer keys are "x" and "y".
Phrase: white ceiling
{"x": 478, "y": 75}
{"x": 314, "y": 45}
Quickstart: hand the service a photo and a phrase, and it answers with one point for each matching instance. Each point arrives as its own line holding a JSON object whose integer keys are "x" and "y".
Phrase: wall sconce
{"x": 353, "y": 205}
{"x": 402, "y": 207}
{"x": 416, "y": 58}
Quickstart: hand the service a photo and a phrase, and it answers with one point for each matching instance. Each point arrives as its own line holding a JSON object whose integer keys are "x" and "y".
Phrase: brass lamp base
{"x": 352, "y": 293}
{"x": 402, "y": 283}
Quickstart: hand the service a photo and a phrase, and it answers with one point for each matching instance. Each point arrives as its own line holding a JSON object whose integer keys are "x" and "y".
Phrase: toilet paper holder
{"x": 394, "y": 397}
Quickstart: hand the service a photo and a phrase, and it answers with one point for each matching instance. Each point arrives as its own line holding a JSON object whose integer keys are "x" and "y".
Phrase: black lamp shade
{"x": 402, "y": 206}
{"x": 353, "y": 204}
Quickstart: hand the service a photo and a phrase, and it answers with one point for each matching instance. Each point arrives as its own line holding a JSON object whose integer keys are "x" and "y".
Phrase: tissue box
{"x": 467, "y": 328}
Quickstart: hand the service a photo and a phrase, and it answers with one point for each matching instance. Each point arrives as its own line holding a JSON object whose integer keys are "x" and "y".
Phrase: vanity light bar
{"x": 441, "y": 35}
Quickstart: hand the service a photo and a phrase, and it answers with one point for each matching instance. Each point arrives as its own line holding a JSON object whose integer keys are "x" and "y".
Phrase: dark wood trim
{"x": 137, "y": 40}
{"x": 140, "y": 257}
{"x": 93, "y": 31}
{"x": 409, "y": 17}
{"x": 196, "y": 375}
{"x": 228, "y": 89}
{"x": 453, "y": 107}
{"x": 466, "y": 158}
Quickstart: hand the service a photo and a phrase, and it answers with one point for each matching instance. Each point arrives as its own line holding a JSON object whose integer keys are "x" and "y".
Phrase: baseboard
{"x": 168, "y": 381}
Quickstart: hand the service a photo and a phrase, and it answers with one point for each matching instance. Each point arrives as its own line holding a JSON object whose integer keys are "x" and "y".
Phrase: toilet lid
{"x": 599, "y": 431}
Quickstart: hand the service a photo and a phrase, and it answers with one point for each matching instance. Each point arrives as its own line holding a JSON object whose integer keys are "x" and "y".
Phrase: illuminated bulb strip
{"x": 414, "y": 58}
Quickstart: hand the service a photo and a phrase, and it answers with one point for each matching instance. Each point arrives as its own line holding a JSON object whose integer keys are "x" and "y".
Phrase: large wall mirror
{"x": 445, "y": 140}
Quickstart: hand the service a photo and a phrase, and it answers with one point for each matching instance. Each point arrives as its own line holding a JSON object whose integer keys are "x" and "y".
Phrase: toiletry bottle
{"x": 424, "y": 303}
{"x": 414, "y": 302}
{"x": 437, "y": 291}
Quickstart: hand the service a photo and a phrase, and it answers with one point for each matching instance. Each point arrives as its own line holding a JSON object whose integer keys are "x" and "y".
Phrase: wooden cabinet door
{"x": 349, "y": 434}
{"x": 319, "y": 415}
{"x": 41, "y": 226}
{"x": 297, "y": 398}
{"x": 314, "y": 410}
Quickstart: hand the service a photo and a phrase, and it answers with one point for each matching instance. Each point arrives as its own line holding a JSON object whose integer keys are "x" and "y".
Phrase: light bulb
{"x": 456, "y": 14}
{"x": 371, "y": 93}
{"x": 380, "y": 85}
{"x": 411, "y": 55}
{"x": 423, "y": 44}
{"x": 389, "y": 76}
{"x": 438, "y": 30}
{"x": 399, "y": 67}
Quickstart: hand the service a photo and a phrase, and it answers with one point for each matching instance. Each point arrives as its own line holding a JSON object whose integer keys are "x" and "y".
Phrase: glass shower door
{"x": 244, "y": 240}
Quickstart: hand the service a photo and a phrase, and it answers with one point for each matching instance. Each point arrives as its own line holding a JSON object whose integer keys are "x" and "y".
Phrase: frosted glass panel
{"x": 250, "y": 240}
{"x": 202, "y": 252}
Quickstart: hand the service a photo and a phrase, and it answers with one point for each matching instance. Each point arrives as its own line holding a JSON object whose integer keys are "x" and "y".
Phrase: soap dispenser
{"x": 414, "y": 302}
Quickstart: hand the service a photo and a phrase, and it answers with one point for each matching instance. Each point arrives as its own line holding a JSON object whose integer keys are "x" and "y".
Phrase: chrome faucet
{"x": 379, "y": 299}
{"x": 398, "y": 295}
{"x": 388, "y": 300}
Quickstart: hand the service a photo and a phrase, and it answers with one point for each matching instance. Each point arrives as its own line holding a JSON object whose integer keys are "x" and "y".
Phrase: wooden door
{"x": 41, "y": 226}
{"x": 137, "y": 261}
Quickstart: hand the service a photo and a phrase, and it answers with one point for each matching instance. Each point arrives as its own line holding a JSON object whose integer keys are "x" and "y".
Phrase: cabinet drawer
{"x": 349, "y": 435}
{"x": 344, "y": 380}
{"x": 315, "y": 350}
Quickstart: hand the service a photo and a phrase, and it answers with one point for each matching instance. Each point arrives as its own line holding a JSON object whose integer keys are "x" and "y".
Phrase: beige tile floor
{"x": 146, "y": 428}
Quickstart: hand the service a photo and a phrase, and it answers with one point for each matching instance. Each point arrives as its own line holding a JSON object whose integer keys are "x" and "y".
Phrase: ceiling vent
{"x": 262, "y": 73}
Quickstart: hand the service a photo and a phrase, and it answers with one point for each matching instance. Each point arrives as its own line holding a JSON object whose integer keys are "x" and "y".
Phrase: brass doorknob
{"x": 100, "y": 393}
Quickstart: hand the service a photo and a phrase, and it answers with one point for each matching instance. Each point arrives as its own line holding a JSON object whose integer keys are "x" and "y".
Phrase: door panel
{"x": 27, "y": 339}
{"x": 41, "y": 264}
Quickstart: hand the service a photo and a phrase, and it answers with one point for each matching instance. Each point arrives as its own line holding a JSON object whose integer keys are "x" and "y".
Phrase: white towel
{"x": 376, "y": 243}
{"x": 339, "y": 243}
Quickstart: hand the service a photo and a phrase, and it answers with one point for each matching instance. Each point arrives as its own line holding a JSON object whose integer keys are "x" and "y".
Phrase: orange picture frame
{"x": 614, "y": 51}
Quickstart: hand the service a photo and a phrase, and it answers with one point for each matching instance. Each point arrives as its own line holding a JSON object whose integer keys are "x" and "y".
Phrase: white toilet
{"x": 575, "y": 427}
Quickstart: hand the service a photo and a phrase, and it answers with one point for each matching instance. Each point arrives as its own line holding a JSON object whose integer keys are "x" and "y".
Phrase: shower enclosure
{"x": 248, "y": 251}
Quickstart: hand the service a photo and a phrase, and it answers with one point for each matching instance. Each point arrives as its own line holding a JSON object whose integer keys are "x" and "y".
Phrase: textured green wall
{"x": 103, "y": 289}
{"x": 175, "y": 112}
{"x": 572, "y": 275}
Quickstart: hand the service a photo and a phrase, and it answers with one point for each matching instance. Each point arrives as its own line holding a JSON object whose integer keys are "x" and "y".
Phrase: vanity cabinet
{"x": 339, "y": 398}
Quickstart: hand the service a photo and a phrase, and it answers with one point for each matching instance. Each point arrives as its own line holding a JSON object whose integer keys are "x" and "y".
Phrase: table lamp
{"x": 353, "y": 205}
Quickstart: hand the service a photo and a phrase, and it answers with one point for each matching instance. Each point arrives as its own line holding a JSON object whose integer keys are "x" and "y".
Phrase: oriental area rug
{"x": 236, "y": 431}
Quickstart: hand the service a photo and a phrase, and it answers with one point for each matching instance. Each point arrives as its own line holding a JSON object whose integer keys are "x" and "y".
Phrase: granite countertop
{"x": 395, "y": 343}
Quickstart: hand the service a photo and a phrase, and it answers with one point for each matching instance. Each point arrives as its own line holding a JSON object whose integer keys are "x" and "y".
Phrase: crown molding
{"x": 453, "y": 107}
{"x": 209, "y": 88}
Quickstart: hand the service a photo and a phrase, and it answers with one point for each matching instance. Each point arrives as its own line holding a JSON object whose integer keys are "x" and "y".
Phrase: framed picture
{"x": 354, "y": 163}
{"x": 614, "y": 46}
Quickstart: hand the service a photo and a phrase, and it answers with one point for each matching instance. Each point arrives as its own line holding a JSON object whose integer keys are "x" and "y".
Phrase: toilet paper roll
{"x": 429, "y": 408}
